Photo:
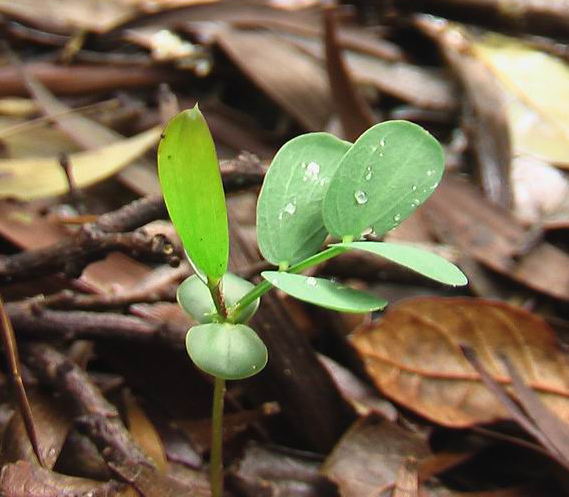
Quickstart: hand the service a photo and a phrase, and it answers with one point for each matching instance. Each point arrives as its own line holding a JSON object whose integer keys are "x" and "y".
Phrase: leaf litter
{"x": 266, "y": 76}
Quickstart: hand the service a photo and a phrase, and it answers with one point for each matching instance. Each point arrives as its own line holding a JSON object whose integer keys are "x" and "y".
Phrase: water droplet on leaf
{"x": 397, "y": 218}
{"x": 368, "y": 174}
{"x": 414, "y": 188}
{"x": 311, "y": 281}
{"x": 290, "y": 208}
{"x": 382, "y": 142}
{"x": 312, "y": 170}
{"x": 360, "y": 196}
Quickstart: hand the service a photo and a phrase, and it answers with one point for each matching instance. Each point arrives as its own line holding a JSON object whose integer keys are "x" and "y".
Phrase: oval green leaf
{"x": 426, "y": 263}
{"x": 289, "y": 217}
{"x": 228, "y": 351}
{"x": 389, "y": 171}
{"x": 195, "y": 298}
{"x": 324, "y": 293}
{"x": 193, "y": 191}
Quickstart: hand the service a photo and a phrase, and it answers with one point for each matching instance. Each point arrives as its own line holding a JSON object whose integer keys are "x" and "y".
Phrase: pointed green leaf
{"x": 389, "y": 171}
{"x": 324, "y": 293}
{"x": 289, "y": 218}
{"x": 195, "y": 298}
{"x": 228, "y": 351}
{"x": 193, "y": 192}
{"x": 423, "y": 262}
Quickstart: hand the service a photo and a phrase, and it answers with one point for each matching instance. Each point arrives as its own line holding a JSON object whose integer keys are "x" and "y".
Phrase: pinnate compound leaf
{"x": 413, "y": 354}
{"x": 228, "y": 351}
{"x": 423, "y": 262}
{"x": 389, "y": 171}
{"x": 289, "y": 218}
{"x": 195, "y": 298}
{"x": 193, "y": 191}
{"x": 324, "y": 293}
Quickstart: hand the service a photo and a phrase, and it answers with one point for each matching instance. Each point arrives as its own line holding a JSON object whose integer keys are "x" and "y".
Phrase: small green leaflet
{"x": 423, "y": 262}
{"x": 324, "y": 293}
{"x": 193, "y": 192}
{"x": 390, "y": 170}
{"x": 289, "y": 218}
{"x": 228, "y": 351}
{"x": 195, "y": 298}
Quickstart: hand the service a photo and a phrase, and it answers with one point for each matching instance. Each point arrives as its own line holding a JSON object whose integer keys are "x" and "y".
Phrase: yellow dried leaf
{"x": 33, "y": 178}
{"x": 537, "y": 85}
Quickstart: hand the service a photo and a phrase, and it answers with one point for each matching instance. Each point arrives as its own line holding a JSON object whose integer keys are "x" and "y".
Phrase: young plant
{"x": 316, "y": 186}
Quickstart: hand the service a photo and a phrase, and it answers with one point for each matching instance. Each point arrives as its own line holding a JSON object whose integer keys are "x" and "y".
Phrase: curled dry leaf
{"x": 413, "y": 355}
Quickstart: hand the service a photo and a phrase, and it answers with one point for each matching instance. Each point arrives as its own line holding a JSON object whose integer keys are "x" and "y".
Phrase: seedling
{"x": 317, "y": 185}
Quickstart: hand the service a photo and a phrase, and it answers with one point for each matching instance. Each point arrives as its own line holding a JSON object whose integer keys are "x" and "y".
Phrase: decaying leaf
{"x": 293, "y": 79}
{"x": 537, "y": 85}
{"x": 144, "y": 433}
{"x": 36, "y": 178}
{"x": 413, "y": 355}
{"x": 495, "y": 238}
{"x": 368, "y": 458}
{"x": 70, "y": 15}
{"x": 23, "y": 479}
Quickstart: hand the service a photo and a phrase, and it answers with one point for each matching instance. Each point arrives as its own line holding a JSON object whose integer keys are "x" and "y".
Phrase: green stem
{"x": 265, "y": 286}
{"x": 216, "y": 460}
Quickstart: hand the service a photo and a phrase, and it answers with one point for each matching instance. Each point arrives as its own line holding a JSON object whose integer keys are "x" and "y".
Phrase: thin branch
{"x": 11, "y": 352}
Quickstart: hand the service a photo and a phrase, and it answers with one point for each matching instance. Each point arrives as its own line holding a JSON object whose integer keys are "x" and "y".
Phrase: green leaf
{"x": 389, "y": 171}
{"x": 423, "y": 262}
{"x": 289, "y": 218}
{"x": 324, "y": 293}
{"x": 195, "y": 298}
{"x": 193, "y": 192}
{"x": 228, "y": 351}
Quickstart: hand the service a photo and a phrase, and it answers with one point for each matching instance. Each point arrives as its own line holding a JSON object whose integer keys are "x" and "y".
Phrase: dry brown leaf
{"x": 52, "y": 423}
{"x": 144, "y": 433}
{"x": 413, "y": 355}
{"x": 139, "y": 176}
{"x": 33, "y": 178}
{"x": 71, "y": 15}
{"x": 368, "y": 458}
{"x": 23, "y": 479}
{"x": 461, "y": 217}
{"x": 291, "y": 78}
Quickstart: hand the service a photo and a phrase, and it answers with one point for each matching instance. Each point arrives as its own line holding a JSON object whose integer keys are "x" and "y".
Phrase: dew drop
{"x": 430, "y": 172}
{"x": 397, "y": 218}
{"x": 414, "y": 188}
{"x": 311, "y": 281}
{"x": 312, "y": 170}
{"x": 280, "y": 215}
{"x": 274, "y": 281}
{"x": 382, "y": 142}
{"x": 415, "y": 202}
{"x": 360, "y": 196}
{"x": 368, "y": 174}
{"x": 290, "y": 208}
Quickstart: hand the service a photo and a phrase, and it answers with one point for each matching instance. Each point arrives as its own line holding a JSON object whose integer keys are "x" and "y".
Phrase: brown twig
{"x": 34, "y": 320}
{"x": 100, "y": 421}
{"x": 90, "y": 244}
{"x": 11, "y": 352}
